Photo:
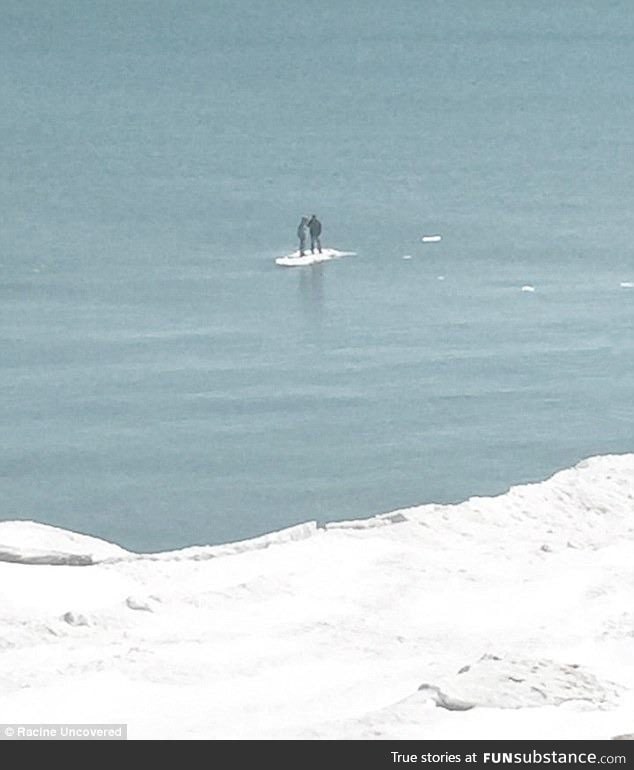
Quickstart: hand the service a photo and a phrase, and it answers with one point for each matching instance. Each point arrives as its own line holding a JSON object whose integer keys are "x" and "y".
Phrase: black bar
{"x": 336, "y": 754}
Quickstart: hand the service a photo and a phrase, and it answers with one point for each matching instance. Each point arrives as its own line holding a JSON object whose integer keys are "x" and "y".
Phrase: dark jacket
{"x": 314, "y": 226}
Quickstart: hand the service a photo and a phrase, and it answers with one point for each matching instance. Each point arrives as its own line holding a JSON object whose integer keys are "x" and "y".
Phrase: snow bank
{"x": 505, "y": 617}
{"x": 29, "y": 542}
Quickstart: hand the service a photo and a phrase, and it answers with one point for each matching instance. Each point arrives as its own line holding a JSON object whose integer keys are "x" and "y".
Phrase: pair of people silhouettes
{"x": 310, "y": 227}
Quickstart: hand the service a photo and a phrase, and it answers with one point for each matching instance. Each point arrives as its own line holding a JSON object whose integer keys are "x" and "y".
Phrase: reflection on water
{"x": 311, "y": 290}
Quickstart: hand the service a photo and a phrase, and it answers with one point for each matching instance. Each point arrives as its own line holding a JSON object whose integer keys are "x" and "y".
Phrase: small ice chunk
{"x": 138, "y": 603}
{"x": 74, "y": 619}
{"x": 527, "y": 287}
{"x": 441, "y": 277}
{"x": 431, "y": 238}
{"x": 407, "y": 256}
{"x": 627, "y": 284}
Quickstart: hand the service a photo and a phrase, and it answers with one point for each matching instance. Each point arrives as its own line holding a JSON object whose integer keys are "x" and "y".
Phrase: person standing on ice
{"x": 314, "y": 228}
{"x": 301, "y": 234}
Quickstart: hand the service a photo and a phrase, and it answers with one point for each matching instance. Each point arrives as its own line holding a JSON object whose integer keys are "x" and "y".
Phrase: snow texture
{"x": 505, "y": 617}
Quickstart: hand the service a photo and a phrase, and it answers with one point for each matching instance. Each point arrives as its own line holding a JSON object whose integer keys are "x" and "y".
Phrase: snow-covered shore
{"x": 506, "y": 617}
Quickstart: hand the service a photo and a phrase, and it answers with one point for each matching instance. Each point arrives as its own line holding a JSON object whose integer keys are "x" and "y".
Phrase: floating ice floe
{"x": 627, "y": 284}
{"x": 325, "y": 255}
{"x": 527, "y": 287}
{"x": 441, "y": 278}
{"x": 406, "y": 256}
{"x": 431, "y": 238}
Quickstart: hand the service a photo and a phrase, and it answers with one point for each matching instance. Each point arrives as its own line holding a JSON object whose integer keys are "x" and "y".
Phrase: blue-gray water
{"x": 164, "y": 383}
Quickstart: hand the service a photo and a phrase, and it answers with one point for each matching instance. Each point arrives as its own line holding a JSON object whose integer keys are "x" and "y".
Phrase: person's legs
{"x": 318, "y": 239}
{"x": 313, "y": 238}
{"x": 302, "y": 245}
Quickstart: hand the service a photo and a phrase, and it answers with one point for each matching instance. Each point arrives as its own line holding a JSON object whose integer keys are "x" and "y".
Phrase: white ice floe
{"x": 528, "y": 288}
{"x": 627, "y": 284}
{"x": 431, "y": 238}
{"x": 407, "y": 256}
{"x": 326, "y": 255}
{"x": 504, "y": 617}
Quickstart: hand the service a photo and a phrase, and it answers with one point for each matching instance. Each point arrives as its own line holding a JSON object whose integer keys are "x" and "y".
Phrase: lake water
{"x": 164, "y": 383}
